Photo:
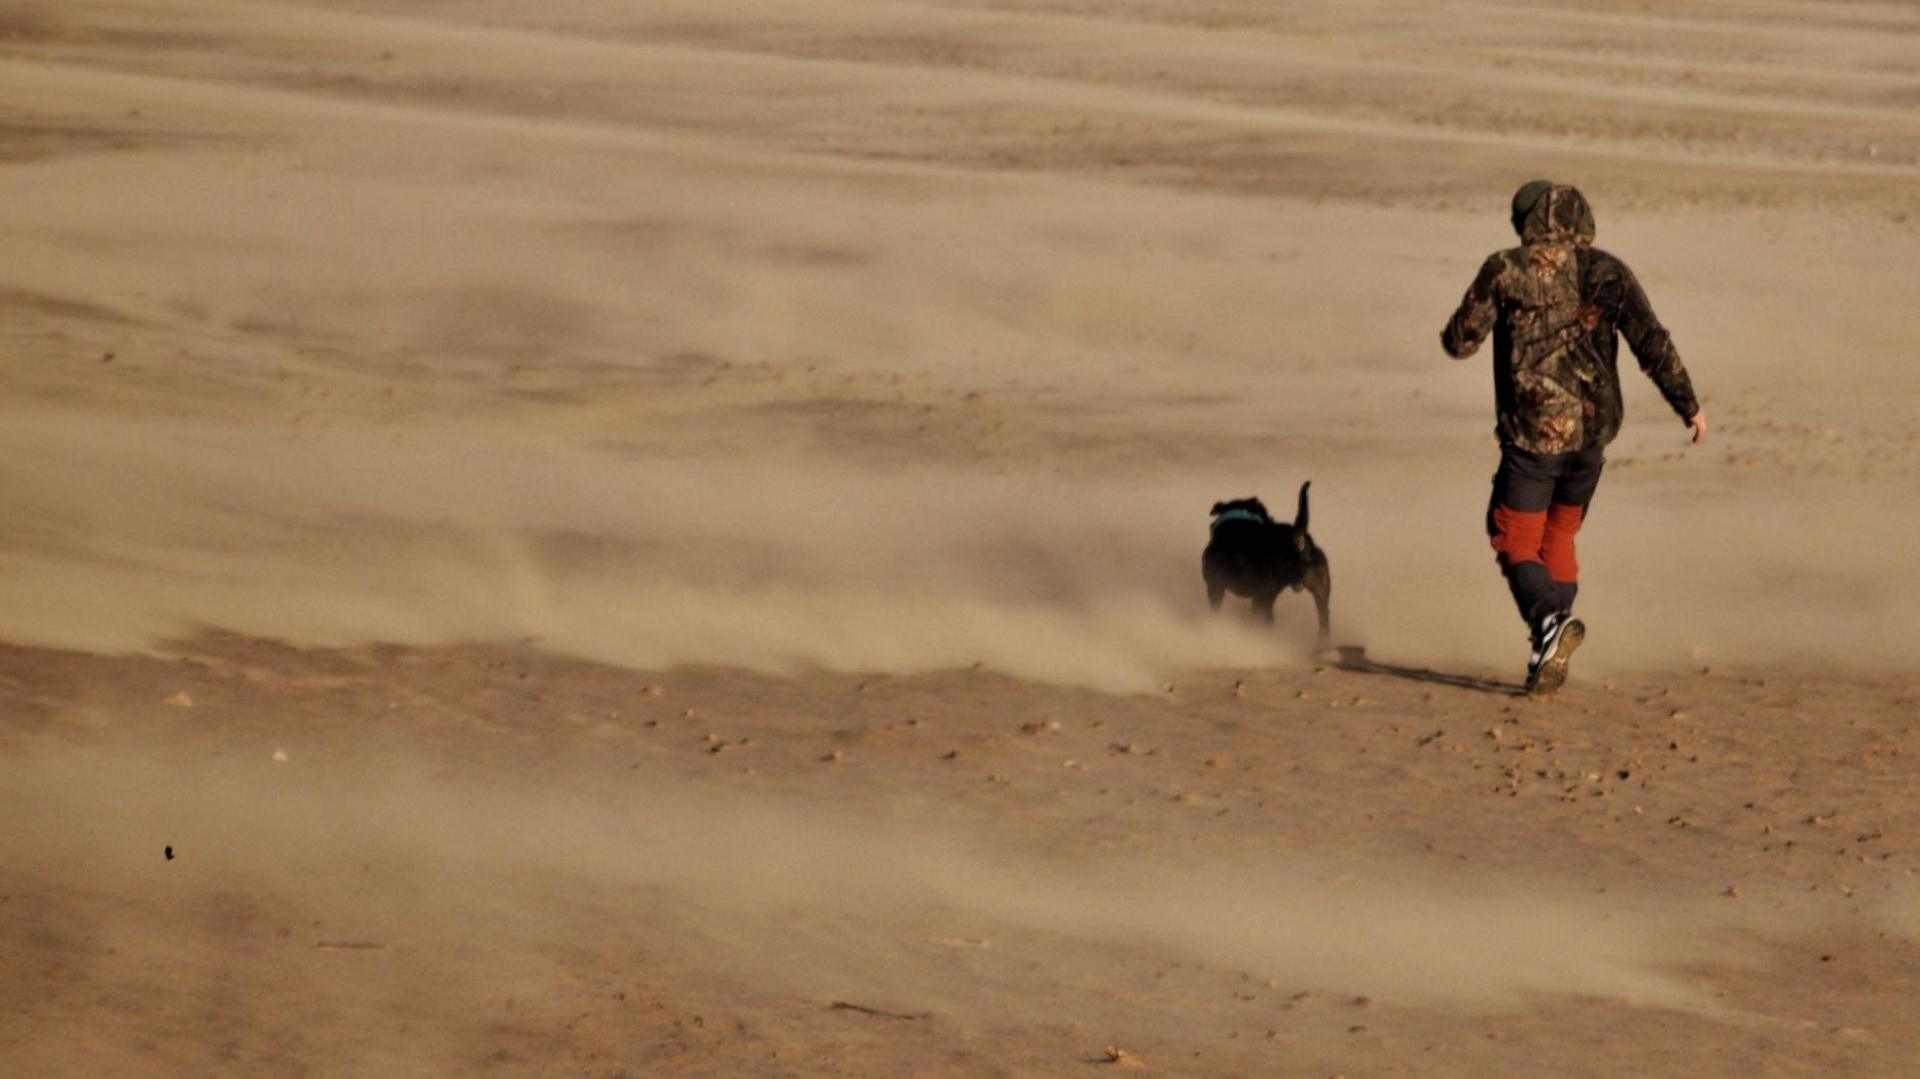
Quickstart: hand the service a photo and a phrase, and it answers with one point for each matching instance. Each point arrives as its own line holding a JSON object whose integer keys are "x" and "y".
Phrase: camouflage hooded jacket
{"x": 1554, "y": 305}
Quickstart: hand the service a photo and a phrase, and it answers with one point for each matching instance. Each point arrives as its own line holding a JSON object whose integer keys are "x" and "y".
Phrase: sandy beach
{"x": 662, "y": 539}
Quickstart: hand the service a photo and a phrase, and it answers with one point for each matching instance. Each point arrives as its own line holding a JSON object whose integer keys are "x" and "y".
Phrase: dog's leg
{"x": 1263, "y": 606}
{"x": 1216, "y": 591}
{"x": 1319, "y": 581}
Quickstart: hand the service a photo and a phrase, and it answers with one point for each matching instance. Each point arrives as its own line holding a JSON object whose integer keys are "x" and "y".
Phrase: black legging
{"x": 1539, "y": 502}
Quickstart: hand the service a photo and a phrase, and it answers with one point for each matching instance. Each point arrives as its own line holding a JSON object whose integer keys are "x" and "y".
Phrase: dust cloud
{"x": 724, "y": 865}
{"x": 149, "y": 532}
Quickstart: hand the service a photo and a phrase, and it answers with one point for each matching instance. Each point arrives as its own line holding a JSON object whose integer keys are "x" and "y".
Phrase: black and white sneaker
{"x": 1559, "y": 635}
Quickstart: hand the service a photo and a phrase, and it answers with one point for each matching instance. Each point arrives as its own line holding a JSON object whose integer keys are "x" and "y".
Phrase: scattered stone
{"x": 1116, "y": 1055}
{"x": 280, "y": 756}
{"x": 181, "y": 699}
{"x": 833, "y": 758}
{"x": 652, "y": 690}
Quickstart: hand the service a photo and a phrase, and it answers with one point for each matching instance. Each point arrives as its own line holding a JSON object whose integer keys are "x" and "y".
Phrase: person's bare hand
{"x": 1698, "y": 425}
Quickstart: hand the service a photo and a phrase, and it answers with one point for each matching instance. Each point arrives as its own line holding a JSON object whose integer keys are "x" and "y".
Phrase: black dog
{"x": 1255, "y": 556}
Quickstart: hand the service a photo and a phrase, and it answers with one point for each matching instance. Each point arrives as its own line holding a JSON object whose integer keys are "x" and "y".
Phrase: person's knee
{"x": 1517, "y": 535}
{"x": 1556, "y": 542}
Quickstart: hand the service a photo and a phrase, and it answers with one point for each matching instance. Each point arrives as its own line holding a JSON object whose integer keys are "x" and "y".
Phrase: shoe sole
{"x": 1553, "y": 673}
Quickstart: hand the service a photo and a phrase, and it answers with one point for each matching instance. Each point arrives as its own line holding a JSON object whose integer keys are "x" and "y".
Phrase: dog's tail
{"x": 1300, "y": 539}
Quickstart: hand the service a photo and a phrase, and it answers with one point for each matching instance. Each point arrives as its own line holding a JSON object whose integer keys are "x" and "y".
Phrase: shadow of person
{"x": 1354, "y": 658}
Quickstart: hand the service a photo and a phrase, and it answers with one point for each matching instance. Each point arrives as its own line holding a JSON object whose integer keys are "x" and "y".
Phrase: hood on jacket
{"x": 1552, "y": 213}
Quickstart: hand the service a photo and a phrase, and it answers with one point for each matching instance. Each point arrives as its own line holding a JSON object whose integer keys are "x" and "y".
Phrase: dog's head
{"x": 1242, "y": 505}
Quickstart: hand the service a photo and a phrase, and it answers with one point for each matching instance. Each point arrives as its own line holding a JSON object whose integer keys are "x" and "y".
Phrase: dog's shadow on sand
{"x": 1354, "y": 658}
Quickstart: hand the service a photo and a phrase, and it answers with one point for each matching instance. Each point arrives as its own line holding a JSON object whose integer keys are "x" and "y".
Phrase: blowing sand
{"x": 662, "y": 539}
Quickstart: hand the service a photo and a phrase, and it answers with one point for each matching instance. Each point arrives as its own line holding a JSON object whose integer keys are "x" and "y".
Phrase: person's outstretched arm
{"x": 1653, "y": 347}
{"x": 1474, "y": 320}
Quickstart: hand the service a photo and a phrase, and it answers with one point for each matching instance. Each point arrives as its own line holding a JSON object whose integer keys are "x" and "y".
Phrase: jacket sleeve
{"x": 1652, "y": 345}
{"x": 1474, "y": 320}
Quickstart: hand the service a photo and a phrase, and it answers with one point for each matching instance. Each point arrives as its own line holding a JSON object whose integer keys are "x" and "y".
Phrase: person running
{"x": 1555, "y": 306}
